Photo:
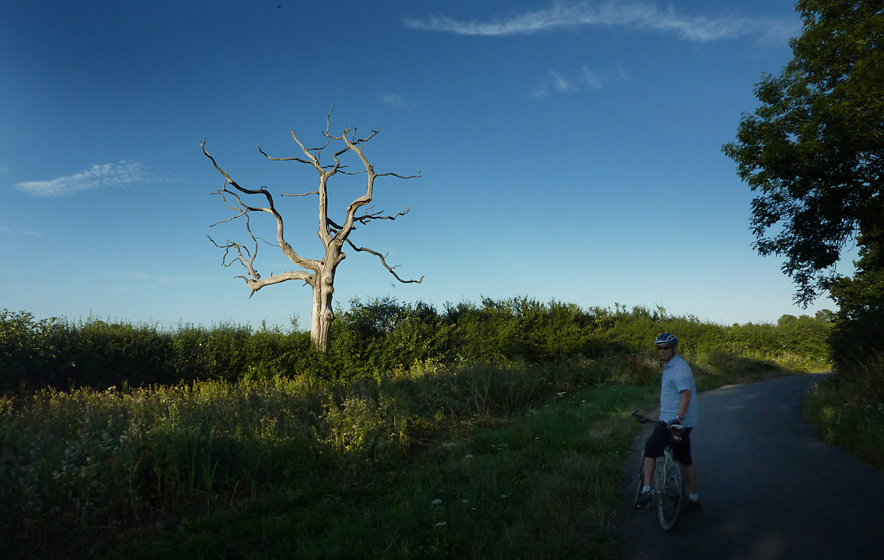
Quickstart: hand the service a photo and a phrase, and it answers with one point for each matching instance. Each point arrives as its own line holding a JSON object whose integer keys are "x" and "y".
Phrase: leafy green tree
{"x": 859, "y": 328}
{"x": 814, "y": 148}
{"x": 825, "y": 315}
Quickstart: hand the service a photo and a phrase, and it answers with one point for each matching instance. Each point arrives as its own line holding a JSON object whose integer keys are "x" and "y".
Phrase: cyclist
{"x": 678, "y": 405}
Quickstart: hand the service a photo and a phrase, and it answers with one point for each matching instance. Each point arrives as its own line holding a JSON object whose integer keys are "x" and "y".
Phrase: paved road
{"x": 771, "y": 490}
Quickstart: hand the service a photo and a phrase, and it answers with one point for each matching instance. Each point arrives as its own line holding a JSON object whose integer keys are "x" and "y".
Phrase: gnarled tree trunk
{"x": 323, "y": 312}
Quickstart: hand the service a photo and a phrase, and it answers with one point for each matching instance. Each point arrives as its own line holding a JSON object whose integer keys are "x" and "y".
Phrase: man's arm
{"x": 683, "y": 404}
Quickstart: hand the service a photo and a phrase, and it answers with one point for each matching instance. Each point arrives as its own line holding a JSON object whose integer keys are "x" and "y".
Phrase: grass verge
{"x": 847, "y": 410}
{"x": 544, "y": 484}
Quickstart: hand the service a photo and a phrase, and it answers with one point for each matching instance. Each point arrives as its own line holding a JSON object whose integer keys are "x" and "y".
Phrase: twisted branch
{"x": 271, "y": 209}
{"x": 384, "y": 262}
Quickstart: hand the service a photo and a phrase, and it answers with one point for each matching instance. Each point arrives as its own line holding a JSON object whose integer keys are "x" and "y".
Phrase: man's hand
{"x": 677, "y": 420}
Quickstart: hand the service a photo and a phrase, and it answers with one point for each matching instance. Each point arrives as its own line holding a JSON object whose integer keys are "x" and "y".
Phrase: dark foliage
{"x": 859, "y": 331}
{"x": 814, "y": 149}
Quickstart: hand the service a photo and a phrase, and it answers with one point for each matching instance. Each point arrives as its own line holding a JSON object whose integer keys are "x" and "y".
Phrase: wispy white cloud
{"x": 556, "y": 83}
{"x": 559, "y": 83}
{"x": 635, "y": 15}
{"x": 395, "y": 100}
{"x": 17, "y": 232}
{"x": 96, "y": 177}
{"x": 591, "y": 79}
{"x": 540, "y": 91}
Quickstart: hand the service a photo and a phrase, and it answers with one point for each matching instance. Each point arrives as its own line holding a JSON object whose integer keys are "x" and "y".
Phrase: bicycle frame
{"x": 668, "y": 485}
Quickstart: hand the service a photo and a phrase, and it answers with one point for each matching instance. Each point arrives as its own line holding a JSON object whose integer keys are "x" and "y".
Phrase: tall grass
{"x": 848, "y": 410}
{"x": 105, "y": 461}
{"x": 420, "y": 434}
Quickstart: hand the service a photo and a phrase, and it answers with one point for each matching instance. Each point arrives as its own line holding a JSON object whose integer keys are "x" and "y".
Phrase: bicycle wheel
{"x": 672, "y": 496}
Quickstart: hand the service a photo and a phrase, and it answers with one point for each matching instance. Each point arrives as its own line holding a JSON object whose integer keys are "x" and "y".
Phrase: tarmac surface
{"x": 770, "y": 488}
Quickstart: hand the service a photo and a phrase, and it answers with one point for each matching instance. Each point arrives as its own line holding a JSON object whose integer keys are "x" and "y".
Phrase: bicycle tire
{"x": 670, "y": 503}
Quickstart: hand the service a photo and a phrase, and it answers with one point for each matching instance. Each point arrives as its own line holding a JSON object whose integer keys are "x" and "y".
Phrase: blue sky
{"x": 567, "y": 150}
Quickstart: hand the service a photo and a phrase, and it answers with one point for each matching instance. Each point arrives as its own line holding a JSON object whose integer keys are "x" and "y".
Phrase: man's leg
{"x": 690, "y": 475}
{"x": 650, "y": 465}
{"x": 653, "y": 449}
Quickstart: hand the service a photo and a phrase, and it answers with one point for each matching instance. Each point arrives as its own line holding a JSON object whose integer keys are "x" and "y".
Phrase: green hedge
{"x": 375, "y": 339}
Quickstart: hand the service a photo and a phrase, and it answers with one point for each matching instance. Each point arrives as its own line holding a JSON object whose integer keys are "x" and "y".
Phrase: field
{"x": 496, "y": 430}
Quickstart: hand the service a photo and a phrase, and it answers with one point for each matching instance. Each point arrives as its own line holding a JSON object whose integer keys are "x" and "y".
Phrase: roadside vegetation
{"x": 491, "y": 430}
{"x": 811, "y": 152}
{"x": 848, "y": 410}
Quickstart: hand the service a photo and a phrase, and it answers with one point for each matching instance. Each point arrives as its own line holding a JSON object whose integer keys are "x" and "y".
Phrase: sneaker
{"x": 692, "y": 505}
{"x": 643, "y": 500}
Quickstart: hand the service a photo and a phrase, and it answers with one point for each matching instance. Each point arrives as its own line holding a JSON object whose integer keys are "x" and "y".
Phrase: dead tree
{"x": 318, "y": 274}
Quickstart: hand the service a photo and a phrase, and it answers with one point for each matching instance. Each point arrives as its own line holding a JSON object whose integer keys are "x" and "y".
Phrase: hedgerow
{"x": 375, "y": 339}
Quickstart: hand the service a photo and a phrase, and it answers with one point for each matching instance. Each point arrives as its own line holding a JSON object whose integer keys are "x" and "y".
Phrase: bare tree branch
{"x": 302, "y": 194}
{"x": 271, "y": 209}
{"x": 241, "y": 211}
{"x": 400, "y": 176}
{"x": 247, "y": 260}
{"x": 227, "y": 247}
{"x": 301, "y": 275}
{"x": 254, "y": 280}
{"x": 263, "y": 190}
{"x": 310, "y": 162}
{"x": 365, "y": 218}
{"x": 384, "y": 262}
{"x": 356, "y": 142}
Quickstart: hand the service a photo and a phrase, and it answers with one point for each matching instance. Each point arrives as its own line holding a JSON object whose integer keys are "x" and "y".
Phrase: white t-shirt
{"x": 677, "y": 377}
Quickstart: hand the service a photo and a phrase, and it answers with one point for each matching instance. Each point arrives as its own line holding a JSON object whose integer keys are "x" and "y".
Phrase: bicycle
{"x": 669, "y": 483}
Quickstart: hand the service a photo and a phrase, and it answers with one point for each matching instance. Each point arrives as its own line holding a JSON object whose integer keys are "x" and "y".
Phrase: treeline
{"x": 374, "y": 339}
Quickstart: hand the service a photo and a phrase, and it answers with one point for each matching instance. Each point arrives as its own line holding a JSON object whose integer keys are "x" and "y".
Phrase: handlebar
{"x": 645, "y": 420}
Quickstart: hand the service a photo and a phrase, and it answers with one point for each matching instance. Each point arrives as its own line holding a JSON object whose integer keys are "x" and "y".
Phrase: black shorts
{"x": 660, "y": 437}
